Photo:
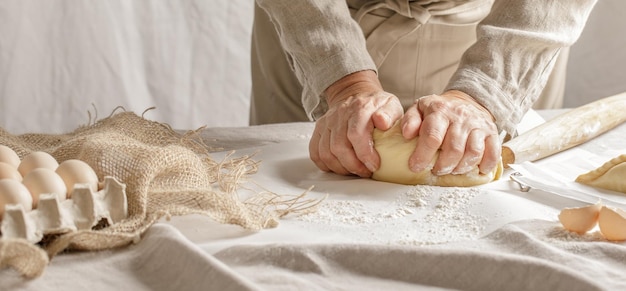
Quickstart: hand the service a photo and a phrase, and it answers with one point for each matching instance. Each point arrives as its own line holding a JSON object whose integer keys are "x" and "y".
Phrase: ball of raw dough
{"x": 394, "y": 151}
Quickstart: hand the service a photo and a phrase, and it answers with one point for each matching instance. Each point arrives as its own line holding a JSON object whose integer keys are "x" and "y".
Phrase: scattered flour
{"x": 562, "y": 235}
{"x": 303, "y": 136}
{"x": 575, "y": 243}
{"x": 423, "y": 215}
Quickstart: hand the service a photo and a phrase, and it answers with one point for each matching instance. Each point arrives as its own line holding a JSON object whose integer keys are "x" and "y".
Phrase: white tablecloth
{"x": 366, "y": 235}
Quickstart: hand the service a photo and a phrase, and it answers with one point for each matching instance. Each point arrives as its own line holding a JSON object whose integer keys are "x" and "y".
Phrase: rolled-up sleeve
{"x": 323, "y": 44}
{"x": 517, "y": 45}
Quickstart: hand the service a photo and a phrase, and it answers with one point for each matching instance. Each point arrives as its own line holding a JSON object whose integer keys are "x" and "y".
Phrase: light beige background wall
{"x": 597, "y": 66}
{"x": 60, "y": 59}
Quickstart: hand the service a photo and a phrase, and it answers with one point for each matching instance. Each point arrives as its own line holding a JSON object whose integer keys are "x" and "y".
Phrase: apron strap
{"x": 382, "y": 39}
{"x": 408, "y": 17}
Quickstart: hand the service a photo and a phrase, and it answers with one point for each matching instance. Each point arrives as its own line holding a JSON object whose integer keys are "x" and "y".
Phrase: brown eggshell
{"x": 44, "y": 180}
{"x": 36, "y": 160}
{"x": 77, "y": 172}
{"x": 580, "y": 219}
{"x": 14, "y": 192}
{"x": 612, "y": 223}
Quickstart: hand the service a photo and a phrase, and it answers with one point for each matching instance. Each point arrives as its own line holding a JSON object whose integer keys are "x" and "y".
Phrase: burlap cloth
{"x": 166, "y": 174}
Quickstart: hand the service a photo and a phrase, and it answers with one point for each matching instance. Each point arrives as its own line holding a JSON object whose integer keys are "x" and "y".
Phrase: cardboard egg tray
{"x": 85, "y": 210}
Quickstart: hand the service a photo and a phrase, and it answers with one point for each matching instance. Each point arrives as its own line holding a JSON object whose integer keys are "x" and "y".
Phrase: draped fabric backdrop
{"x": 190, "y": 59}
{"x": 61, "y": 58}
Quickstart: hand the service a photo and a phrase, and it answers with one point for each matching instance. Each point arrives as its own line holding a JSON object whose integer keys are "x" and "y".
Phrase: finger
{"x": 359, "y": 134}
{"x": 411, "y": 122}
{"x": 327, "y": 156}
{"x": 361, "y": 129}
{"x": 343, "y": 149}
{"x": 452, "y": 150}
{"x": 474, "y": 150}
{"x": 491, "y": 156}
{"x": 431, "y": 135}
{"x": 314, "y": 149}
{"x": 385, "y": 116}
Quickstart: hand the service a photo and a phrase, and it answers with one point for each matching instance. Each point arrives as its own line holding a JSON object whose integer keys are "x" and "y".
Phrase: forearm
{"x": 506, "y": 69}
{"x": 322, "y": 41}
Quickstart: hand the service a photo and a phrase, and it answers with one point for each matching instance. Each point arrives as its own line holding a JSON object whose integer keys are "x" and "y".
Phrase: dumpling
{"x": 610, "y": 176}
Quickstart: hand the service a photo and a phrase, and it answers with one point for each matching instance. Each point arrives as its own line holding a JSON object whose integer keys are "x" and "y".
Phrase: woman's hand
{"x": 342, "y": 139}
{"x": 456, "y": 124}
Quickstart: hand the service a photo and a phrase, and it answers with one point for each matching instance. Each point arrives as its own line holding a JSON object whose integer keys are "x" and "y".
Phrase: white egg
{"x": 36, "y": 160}
{"x": 77, "y": 172}
{"x": 7, "y": 171}
{"x": 43, "y": 180}
{"x": 9, "y": 156}
{"x": 14, "y": 192}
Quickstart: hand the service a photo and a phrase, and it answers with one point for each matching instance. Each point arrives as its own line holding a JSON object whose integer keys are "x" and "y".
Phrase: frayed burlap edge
{"x": 26, "y": 258}
{"x": 30, "y": 260}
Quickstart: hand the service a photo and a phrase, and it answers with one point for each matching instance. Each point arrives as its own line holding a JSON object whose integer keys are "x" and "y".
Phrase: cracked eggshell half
{"x": 580, "y": 219}
{"x": 612, "y": 223}
{"x": 43, "y": 180}
{"x": 77, "y": 172}
{"x": 14, "y": 192}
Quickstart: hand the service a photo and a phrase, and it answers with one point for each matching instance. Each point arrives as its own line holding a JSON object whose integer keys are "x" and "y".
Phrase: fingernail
{"x": 387, "y": 119}
{"x": 417, "y": 168}
{"x": 489, "y": 170}
{"x": 463, "y": 170}
{"x": 370, "y": 167}
{"x": 405, "y": 131}
{"x": 444, "y": 171}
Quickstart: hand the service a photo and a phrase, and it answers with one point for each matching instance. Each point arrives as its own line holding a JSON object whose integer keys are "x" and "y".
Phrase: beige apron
{"x": 416, "y": 46}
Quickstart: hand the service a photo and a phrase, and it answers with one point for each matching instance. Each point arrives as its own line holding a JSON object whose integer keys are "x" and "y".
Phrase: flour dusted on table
{"x": 558, "y": 235}
{"x": 343, "y": 212}
{"x": 422, "y": 215}
{"x": 544, "y": 232}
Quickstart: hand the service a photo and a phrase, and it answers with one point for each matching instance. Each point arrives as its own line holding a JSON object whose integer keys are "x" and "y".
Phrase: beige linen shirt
{"x": 505, "y": 70}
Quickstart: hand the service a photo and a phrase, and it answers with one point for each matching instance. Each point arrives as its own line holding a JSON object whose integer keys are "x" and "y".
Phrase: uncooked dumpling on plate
{"x": 610, "y": 176}
{"x": 394, "y": 151}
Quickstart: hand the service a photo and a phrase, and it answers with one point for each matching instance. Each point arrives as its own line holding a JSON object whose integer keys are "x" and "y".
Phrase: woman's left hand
{"x": 456, "y": 124}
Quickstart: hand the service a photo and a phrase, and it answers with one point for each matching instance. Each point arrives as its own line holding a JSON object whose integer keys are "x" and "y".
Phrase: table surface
{"x": 415, "y": 234}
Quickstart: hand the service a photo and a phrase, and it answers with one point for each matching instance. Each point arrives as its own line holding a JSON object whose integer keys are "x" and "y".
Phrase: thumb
{"x": 387, "y": 115}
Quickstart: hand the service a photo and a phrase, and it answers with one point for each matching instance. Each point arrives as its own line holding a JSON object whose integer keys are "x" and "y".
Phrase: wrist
{"x": 464, "y": 96}
{"x": 352, "y": 84}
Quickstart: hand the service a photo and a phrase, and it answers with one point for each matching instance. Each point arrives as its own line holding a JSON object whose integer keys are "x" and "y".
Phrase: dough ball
{"x": 394, "y": 151}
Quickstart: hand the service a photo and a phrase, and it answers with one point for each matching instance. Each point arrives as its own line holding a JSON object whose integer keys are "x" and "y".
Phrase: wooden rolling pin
{"x": 566, "y": 130}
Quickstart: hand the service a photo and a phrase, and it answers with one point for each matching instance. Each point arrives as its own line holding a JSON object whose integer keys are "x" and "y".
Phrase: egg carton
{"x": 85, "y": 210}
